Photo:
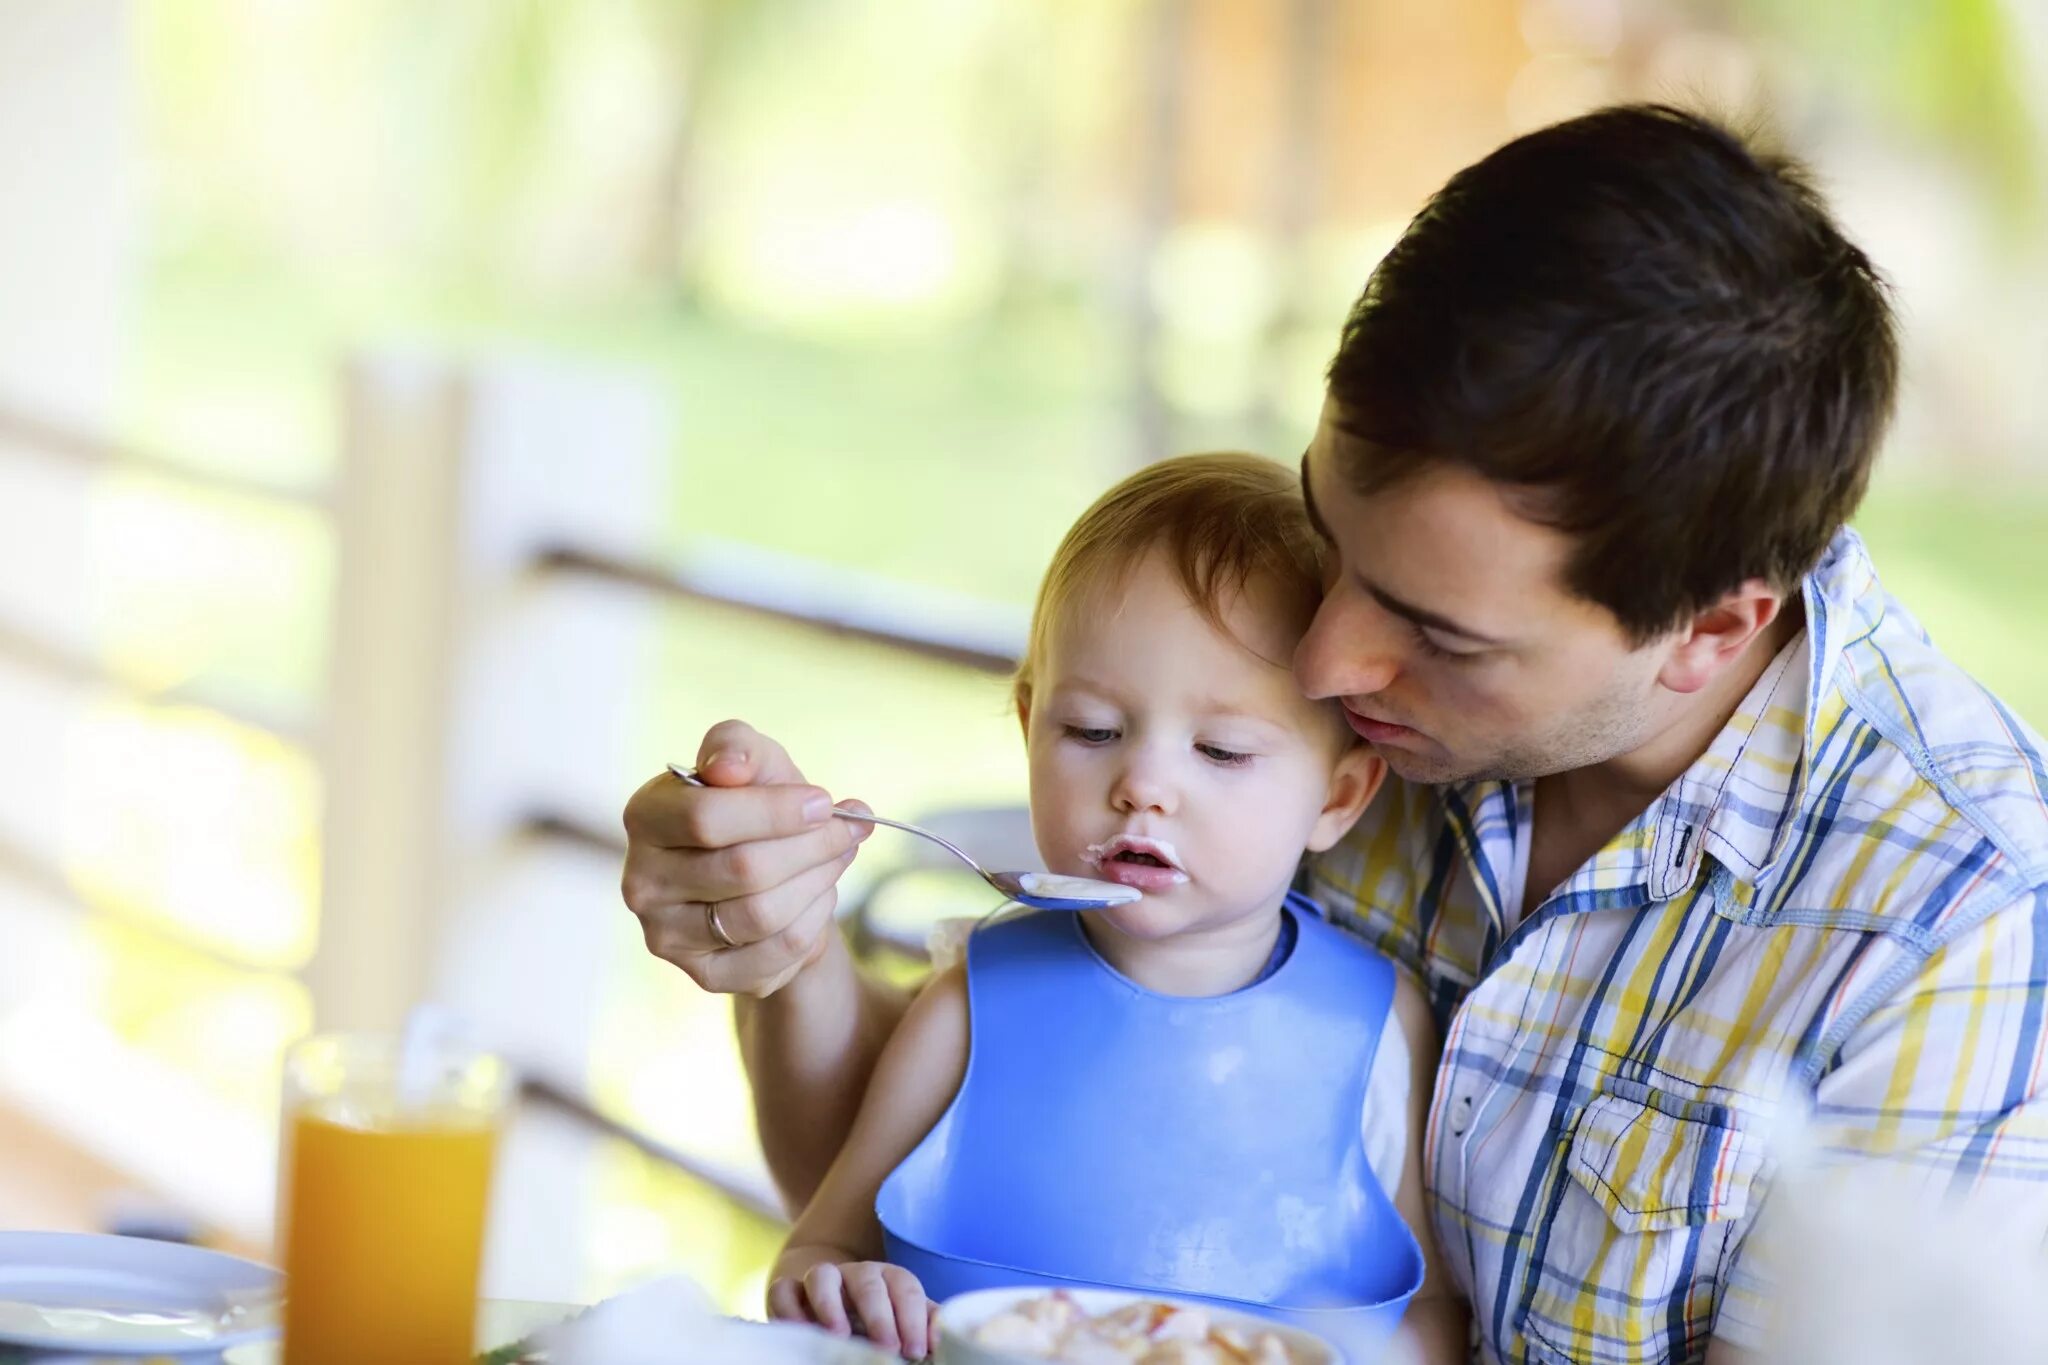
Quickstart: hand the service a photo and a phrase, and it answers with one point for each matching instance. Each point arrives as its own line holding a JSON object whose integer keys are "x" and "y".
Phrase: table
{"x": 499, "y": 1322}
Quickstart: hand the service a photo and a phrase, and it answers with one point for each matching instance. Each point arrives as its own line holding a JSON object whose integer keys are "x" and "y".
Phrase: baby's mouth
{"x": 1133, "y": 860}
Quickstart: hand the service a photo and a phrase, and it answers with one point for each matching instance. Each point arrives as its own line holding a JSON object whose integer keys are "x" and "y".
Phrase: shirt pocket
{"x": 1653, "y": 1188}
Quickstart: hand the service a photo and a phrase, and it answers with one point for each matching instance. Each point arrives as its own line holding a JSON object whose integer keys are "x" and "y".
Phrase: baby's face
{"x": 1168, "y": 756}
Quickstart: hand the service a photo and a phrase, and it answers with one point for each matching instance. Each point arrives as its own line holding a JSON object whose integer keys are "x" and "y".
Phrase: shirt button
{"x": 1460, "y": 1117}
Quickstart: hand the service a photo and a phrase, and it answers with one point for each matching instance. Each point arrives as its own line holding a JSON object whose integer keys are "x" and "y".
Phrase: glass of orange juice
{"x": 385, "y": 1164}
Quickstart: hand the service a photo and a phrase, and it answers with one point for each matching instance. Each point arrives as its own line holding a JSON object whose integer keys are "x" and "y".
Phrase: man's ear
{"x": 1718, "y": 633}
{"x": 1357, "y": 776}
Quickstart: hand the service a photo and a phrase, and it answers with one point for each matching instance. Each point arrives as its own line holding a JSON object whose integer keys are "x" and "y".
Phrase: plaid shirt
{"x": 1846, "y": 897}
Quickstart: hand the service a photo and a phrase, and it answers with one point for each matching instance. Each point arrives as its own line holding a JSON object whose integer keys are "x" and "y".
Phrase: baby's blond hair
{"x": 1222, "y": 520}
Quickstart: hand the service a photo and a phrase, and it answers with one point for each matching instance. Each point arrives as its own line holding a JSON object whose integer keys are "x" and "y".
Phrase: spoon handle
{"x": 689, "y": 775}
{"x": 883, "y": 820}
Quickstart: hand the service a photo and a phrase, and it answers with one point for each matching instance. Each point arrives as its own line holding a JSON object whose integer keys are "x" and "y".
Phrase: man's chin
{"x": 1444, "y": 770}
{"x": 1433, "y": 770}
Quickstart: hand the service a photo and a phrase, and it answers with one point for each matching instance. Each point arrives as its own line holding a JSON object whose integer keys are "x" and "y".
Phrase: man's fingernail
{"x": 817, "y": 806}
{"x": 724, "y": 756}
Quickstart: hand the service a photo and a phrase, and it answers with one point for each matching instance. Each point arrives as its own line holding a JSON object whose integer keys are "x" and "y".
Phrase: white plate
{"x": 499, "y": 1322}
{"x": 87, "y": 1294}
{"x": 670, "y": 1321}
{"x": 961, "y": 1314}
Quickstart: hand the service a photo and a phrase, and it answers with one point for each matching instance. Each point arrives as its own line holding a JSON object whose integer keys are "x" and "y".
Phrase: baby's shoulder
{"x": 928, "y": 1051}
{"x": 942, "y": 997}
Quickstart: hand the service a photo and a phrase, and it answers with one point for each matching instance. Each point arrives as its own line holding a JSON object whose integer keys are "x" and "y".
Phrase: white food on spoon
{"x": 1052, "y": 886}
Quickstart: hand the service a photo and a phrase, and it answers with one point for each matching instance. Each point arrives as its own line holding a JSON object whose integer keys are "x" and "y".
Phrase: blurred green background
{"x": 900, "y": 265}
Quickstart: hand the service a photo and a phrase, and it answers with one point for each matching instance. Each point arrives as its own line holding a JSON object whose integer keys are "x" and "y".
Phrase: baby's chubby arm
{"x": 830, "y": 1271}
{"x": 1434, "y": 1330}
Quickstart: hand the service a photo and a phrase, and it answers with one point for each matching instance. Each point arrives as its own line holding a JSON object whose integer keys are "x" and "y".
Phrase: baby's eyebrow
{"x": 1208, "y": 708}
{"x": 1088, "y": 686}
{"x": 1223, "y": 709}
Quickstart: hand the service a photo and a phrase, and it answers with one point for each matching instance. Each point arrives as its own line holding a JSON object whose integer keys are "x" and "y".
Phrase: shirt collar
{"x": 1737, "y": 801}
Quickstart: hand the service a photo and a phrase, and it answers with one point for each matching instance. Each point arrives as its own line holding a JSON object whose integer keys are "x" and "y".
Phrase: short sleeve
{"x": 947, "y": 942}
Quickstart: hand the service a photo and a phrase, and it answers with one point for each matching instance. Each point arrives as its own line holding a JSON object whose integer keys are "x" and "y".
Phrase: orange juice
{"x": 384, "y": 1238}
{"x": 382, "y": 1210}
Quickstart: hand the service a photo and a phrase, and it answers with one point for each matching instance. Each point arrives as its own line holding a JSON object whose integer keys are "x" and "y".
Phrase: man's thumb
{"x": 735, "y": 754}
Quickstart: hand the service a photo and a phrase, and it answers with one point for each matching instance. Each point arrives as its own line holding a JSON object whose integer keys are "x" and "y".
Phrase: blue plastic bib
{"x": 1105, "y": 1135}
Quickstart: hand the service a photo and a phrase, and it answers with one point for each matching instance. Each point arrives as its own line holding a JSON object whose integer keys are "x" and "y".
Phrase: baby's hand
{"x": 883, "y": 1302}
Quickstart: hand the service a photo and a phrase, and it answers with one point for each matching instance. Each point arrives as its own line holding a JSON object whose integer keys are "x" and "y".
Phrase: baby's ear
{"x": 1021, "y": 694}
{"x": 1353, "y": 781}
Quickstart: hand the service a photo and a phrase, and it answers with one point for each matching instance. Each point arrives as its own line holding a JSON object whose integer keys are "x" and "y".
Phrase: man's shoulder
{"x": 1927, "y": 799}
{"x": 1954, "y": 731}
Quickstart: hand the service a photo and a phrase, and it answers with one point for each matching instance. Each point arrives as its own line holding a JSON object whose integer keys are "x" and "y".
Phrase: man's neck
{"x": 1577, "y": 812}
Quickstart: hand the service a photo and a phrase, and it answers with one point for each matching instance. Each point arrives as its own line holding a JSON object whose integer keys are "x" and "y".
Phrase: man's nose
{"x": 1351, "y": 649}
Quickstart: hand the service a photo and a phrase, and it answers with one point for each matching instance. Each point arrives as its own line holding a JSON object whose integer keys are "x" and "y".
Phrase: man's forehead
{"x": 1336, "y": 454}
{"x": 1344, "y": 457}
{"x": 1316, "y": 466}
{"x": 1329, "y": 472}
{"x": 1340, "y": 471}
{"x": 1441, "y": 536}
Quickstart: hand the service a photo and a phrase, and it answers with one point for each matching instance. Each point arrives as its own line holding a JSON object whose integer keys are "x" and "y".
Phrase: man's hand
{"x": 736, "y": 883}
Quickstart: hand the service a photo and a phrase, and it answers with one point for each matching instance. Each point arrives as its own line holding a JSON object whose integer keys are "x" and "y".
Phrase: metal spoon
{"x": 1039, "y": 890}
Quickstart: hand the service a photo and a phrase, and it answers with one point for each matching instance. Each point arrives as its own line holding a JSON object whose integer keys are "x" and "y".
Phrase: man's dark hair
{"x": 1652, "y": 334}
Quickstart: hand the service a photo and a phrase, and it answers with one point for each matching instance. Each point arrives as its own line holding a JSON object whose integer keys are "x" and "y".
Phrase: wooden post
{"x": 67, "y": 240}
{"x": 397, "y": 525}
{"x": 467, "y": 691}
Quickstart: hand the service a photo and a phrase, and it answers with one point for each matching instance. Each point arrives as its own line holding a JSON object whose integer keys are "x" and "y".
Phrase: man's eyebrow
{"x": 1422, "y": 616}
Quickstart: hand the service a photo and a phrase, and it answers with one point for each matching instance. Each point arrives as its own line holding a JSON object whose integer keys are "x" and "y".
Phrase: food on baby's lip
{"x": 1133, "y": 848}
{"x": 1151, "y": 865}
{"x": 1054, "y": 1327}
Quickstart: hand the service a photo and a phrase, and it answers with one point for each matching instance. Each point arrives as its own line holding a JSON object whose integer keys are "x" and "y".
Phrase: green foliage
{"x": 1953, "y": 73}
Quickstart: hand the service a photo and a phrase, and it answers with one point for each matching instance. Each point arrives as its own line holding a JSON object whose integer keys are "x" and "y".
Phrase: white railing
{"x": 498, "y": 535}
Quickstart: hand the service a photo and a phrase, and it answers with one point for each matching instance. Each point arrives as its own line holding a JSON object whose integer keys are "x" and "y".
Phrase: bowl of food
{"x": 1110, "y": 1327}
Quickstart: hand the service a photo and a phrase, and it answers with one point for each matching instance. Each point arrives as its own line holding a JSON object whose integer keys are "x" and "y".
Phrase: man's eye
{"x": 1089, "y": 734}
{"x": 1435, "y": 650}
{"x": 1230, "y": 758}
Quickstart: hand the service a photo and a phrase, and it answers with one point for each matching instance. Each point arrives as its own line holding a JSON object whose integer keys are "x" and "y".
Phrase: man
{"x": 1693, "y": 823}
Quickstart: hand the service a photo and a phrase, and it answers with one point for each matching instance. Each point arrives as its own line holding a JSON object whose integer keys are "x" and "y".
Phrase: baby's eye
{"x": 1216, "y": 753}
{"x": 1089, "y": 734}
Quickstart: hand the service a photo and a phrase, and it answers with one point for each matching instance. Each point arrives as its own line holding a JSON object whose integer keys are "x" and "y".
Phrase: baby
{"x": 1162, "y": 1096}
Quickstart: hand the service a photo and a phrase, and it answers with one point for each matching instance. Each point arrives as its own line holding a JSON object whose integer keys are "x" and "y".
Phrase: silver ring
{"x": 725, "y": 940}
